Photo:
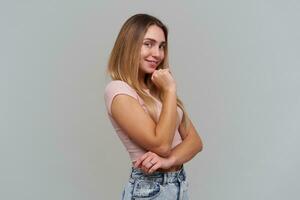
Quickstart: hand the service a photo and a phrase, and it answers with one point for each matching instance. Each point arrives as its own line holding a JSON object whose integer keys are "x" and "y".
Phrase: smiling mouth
{"x": 152, "y": 62}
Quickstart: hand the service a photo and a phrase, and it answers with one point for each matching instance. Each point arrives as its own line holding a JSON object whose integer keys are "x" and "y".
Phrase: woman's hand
{"x": 150, "y": 162}
{"x": 163, "y": 79}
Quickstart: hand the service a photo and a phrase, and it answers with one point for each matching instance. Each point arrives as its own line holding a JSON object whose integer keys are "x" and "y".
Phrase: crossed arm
{"x": 182, "y": 153}
{"x": 156, "y": 138}
{"x": 190, "y": 146}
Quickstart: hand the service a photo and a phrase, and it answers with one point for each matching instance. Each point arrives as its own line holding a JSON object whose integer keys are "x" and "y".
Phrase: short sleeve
{"x": 114, "y": 88}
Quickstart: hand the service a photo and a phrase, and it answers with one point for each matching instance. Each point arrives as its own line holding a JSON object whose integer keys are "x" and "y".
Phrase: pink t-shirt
{"x": 116, "y": 87}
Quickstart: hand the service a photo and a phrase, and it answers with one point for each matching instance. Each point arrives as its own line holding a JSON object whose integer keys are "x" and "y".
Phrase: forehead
{"x": 155, "y": 32}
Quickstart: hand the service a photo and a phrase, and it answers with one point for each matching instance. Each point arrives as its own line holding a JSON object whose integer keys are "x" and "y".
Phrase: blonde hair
{"x": 124, "y": 60}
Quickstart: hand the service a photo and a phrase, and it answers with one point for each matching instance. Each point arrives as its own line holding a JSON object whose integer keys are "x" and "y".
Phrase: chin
{"x": 148, "y": 70}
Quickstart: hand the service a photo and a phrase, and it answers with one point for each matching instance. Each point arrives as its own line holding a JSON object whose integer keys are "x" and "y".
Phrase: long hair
{"x": 124, "y": 60}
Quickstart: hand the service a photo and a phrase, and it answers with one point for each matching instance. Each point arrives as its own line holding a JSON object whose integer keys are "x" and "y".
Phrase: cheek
{"x": 143, "y": 52}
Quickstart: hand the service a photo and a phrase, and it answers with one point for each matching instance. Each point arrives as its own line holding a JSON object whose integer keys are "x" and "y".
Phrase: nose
{"x": 156, "y": 52}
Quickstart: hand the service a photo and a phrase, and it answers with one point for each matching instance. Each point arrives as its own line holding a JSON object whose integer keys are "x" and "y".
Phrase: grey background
{"x": 237, "y": 68}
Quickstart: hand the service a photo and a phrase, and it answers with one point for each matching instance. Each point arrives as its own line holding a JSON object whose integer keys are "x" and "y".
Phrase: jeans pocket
{"x": 146, "y": 190}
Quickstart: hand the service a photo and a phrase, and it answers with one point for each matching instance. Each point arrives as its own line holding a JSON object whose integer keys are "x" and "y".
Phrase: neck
{"x": 142, "y": 81}
{"x": 143, "y": 85}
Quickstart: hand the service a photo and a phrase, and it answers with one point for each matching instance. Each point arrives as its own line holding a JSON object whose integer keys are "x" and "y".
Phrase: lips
{"x": 152, "y": 62}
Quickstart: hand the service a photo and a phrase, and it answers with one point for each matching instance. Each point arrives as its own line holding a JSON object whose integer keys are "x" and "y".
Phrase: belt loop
{"x": 180, "y": 191}
{"x": 165, "y": 179}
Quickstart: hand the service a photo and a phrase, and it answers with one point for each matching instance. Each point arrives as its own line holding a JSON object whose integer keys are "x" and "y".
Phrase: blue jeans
{"x": 158, "y": 185}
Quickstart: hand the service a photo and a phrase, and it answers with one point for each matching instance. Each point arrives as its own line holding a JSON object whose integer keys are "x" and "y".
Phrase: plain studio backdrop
{"x": 236, "y": 64}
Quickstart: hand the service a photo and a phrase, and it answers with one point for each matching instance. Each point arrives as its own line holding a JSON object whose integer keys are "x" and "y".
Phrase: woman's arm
{"x": 138, "y": 125}
{"x": 182, "y": 153}
{"x": 188, "y": 148}
{"x": 131, "y": 117}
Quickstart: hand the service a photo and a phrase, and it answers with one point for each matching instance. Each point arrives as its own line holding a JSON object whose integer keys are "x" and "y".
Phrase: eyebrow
{"x": 163, "y": 42}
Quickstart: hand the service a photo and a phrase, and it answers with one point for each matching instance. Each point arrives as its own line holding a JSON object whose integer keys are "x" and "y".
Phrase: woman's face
{"x": 153, "y": 49}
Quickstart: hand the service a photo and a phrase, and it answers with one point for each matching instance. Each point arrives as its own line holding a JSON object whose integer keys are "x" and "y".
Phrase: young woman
{"x": 146, "y": 113}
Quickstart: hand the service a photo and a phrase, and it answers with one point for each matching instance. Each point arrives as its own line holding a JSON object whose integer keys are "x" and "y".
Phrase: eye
{"x": 147, "y": 44}
{"x": 162, "y": 47}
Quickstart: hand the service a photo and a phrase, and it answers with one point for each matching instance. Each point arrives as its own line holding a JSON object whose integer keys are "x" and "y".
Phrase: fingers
{"x": 154, "y": 168}
{"x": 141, "y": 159}
{"x": 155, "y": 165}
{"x": 138, "y": 161}
{"x": 149, "y": 162}
{"x": 160, "y": 74}
{"x": 163, "y": 70}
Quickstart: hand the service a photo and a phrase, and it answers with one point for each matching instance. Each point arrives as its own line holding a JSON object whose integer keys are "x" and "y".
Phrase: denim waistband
{"x": 160, "y": 177}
